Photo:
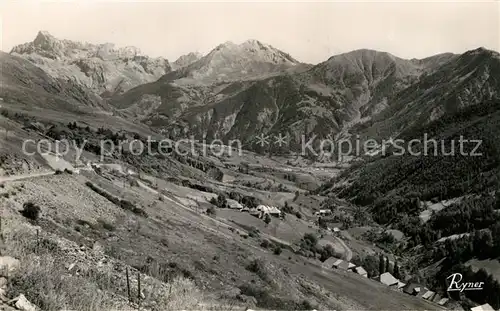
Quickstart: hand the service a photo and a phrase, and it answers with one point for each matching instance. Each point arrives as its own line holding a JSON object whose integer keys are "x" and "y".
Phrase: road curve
{"x": 348, "y": 251}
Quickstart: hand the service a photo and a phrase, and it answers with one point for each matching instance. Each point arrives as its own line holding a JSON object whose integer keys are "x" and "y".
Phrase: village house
{"x": 428, "y": 295}
{"x": 270, "y": 210}
{"x": 323, "y": 212}
{"x": 436, "y": 298}
{"x": 233, "y": 204}
{"x": 361, "y": 271}
{"x": 412, "y": 289}
{"x": 330, "y": 262}
{"x": 485, "y": 307}
{"x": 388, "y": 279}
{"x": 344, "y": 265}
{"x": 401, "y": 285}
{"x": 254, "y": 212}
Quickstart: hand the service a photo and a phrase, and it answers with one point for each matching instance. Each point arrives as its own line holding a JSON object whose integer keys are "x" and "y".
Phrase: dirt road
{"x": 348, "y": 251}
{"x": 21, "y": 177}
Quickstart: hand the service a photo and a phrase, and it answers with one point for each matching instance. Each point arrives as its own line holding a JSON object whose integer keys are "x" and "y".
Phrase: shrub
{"x": 327, "y": 252}
{"x": 265, "y": 243}
{"x": 127, "y": 205}
{"x": 31, "y": 211}
{"x": 181, "y": 294}
{"x": 258, "y": 267}
{"x": 140, "y": 212}
{"x": 213, "y": 201}
{"x": 277, "y": 250}
{"x": 67, "y": 171}
{"x": 222, "y": 201}
{"x": 106, "y": 225}
{"x": 287, "y": 208}
{"x": 58, "y": 172}
{"x": 254, "y": 232}
{"x": 211, "y": 211}
{"x": 267, "y": 219}
{"x": 310, "y": 238}
{"x": 298, "y": 215}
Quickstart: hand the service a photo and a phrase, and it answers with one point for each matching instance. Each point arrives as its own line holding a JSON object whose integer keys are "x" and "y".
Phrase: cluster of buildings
{"x": 389, "y": 280}
{"x": 323, "y": 212}
{"x": 413, "y": 289}
{"x": 340, "y": 264}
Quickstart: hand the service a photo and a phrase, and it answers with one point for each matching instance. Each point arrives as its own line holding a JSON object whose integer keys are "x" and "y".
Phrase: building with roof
{"x": 412, "y": 289}
{"x": 428, "y": 295}
{"x": 401, "y": 285}
{"x": 344, "y": 265}
{"x": 254, "y": 212}
{"x": 436, "y": 298}
{"x": 443, "y": 301}
{"x": 387, "y": 279}
{"x": 485, "y": 307}
{"x": 271, "y": 210}
{"x": 361, "y": 271}
{"x": 233, "y": 204}
{"x": 423, "y": 291}
{"x": 329, "y": 262}
{"x": 337, "y": 263}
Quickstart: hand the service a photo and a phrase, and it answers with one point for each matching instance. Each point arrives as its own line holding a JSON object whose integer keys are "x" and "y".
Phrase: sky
{"x": 309, "y": 31}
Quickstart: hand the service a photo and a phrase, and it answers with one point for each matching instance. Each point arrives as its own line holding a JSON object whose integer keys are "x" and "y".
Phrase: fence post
{"x": 37, "y": 240}
{"x": 2, "y": 240}
{"x": 128, "y": 286}
{"x": 139, "y": 291}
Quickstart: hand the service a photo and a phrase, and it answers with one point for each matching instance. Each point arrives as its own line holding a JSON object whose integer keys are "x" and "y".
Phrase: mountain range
{"x": 240, "y": 91}
{"x": 433, "y": 215}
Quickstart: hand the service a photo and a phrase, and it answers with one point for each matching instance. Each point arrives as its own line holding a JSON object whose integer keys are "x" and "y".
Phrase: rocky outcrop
{"x": 104, "y": 68}
{"x": 8, "y": 266}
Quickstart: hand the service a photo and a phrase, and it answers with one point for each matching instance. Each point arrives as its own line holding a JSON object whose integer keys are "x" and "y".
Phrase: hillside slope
{"x": 321, "y": 99}
{"x": 28, "y": 85}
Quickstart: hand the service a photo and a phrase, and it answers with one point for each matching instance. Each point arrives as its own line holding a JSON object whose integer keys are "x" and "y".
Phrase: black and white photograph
{"x": 248, "y": 156}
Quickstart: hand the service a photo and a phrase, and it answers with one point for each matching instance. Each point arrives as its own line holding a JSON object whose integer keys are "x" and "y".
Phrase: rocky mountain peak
{"x": 104, "y": 68}
{"x": 44, "y": 44}
{"x": 44, "y": 37}
{"x": 186, "y": 60}
{"x": 230, "y": 61}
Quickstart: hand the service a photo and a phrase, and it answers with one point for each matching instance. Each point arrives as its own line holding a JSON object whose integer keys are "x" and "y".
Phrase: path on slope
{"x": 24, "y": 176}
{"x": 348, "y": 251}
